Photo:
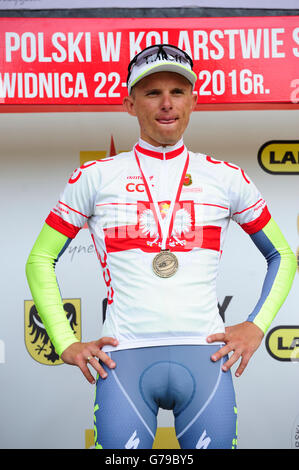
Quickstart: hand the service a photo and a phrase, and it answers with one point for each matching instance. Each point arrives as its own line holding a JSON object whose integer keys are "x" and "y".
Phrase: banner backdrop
{"x": 63, "y": 61}
{"x": 56, "y": 4}
{"x": 48, "y": 405}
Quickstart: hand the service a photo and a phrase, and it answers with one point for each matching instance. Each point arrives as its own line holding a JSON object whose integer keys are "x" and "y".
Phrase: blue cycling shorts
{"x": 178, "y": 378}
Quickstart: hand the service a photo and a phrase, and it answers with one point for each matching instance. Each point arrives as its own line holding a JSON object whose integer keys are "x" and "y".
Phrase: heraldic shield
{"x": 37, "y": 340}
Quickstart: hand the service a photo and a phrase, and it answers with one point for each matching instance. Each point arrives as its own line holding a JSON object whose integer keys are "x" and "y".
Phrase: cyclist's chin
{"x": 168, "y": 134}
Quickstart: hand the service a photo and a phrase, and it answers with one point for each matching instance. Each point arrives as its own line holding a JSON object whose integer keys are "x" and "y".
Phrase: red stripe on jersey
{"x": 212, "y": 205}
{"x": 212, "y": 160}
{"x": 210, "y": 237}
{"x": 231, "y": 165}
{"x": 247, "y": 208}
{"x": 160, "y": 155}
{"x": 74, "y": 210}
{"x": 127, "y": 238}
{"x": 244, "y": 176}
{"x": 257, "y": 224}
{"x": 62, "y": 226}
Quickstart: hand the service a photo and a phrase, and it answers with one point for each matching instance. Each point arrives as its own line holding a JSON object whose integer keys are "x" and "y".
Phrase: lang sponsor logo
{"x": 280, "y": 157}
{"x": 282, "y": 343}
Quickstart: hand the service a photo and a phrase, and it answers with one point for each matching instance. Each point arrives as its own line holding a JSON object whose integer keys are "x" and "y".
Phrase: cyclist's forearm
{"x": 280, "y": 274}
{"x": 40, "y": 272}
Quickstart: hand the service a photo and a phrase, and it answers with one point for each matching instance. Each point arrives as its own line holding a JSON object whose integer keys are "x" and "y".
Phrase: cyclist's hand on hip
{"x": 242, "y": 340}
{"x": 81, "y": 354}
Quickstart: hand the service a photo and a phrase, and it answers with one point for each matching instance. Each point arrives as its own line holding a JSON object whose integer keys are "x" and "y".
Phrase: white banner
{"x": 65, "y": 4}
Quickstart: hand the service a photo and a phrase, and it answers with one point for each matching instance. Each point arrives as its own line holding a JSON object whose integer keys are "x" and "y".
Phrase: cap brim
{"x": 166, "y": 67}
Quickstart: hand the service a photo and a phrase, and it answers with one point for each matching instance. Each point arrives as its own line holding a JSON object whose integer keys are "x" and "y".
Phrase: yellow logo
{"x": 282, "y": 343}
{"x": 37, "y": 340}
{"x": 280, "y": 157}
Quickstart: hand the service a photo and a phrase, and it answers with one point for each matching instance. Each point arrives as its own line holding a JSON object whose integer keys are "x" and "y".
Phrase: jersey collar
{"x": 162, "y": 153}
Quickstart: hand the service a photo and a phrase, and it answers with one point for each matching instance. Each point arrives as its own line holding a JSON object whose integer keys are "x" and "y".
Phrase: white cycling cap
{"x": 160, "y": 58}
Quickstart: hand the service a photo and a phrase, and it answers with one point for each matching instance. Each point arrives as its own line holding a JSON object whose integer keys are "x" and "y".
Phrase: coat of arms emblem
{"x": 37, "y": 341}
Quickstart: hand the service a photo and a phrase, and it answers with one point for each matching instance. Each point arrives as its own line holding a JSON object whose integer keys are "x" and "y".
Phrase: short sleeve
{"x": 248, "y": 207}
{"x": 76, "y": 202}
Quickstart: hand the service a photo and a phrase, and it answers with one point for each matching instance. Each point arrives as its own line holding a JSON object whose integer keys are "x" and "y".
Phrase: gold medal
{"x": 165, "y": 264}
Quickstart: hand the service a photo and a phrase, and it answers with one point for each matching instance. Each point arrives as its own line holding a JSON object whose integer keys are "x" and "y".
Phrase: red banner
{"x": 58, "y": 61}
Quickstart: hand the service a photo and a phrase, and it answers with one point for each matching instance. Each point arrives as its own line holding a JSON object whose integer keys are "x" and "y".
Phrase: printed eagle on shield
{"x": 181, "y": 225}
{"x": 38, "y": 329}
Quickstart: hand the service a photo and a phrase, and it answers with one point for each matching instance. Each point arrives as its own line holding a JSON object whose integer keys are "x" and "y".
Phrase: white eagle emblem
{"x": 181, "y": 225}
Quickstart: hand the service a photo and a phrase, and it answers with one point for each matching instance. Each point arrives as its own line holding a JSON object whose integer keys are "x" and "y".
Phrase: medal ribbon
{"x": 164, "y": 226}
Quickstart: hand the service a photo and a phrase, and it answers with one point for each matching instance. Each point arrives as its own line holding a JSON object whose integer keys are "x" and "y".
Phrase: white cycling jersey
{"x": 117, "y": 197}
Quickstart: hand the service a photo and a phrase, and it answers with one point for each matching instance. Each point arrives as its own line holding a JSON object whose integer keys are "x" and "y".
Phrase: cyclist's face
{"x": 162, "y": 103}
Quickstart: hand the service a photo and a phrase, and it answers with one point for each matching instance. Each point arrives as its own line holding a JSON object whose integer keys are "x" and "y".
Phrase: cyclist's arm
{"x": 40, "y": 271}
{"x": 281, "y": 269}
{"x": 243, "y": 339}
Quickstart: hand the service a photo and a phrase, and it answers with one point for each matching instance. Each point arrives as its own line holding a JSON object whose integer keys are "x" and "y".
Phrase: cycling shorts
{"x": 183, "y": 379}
